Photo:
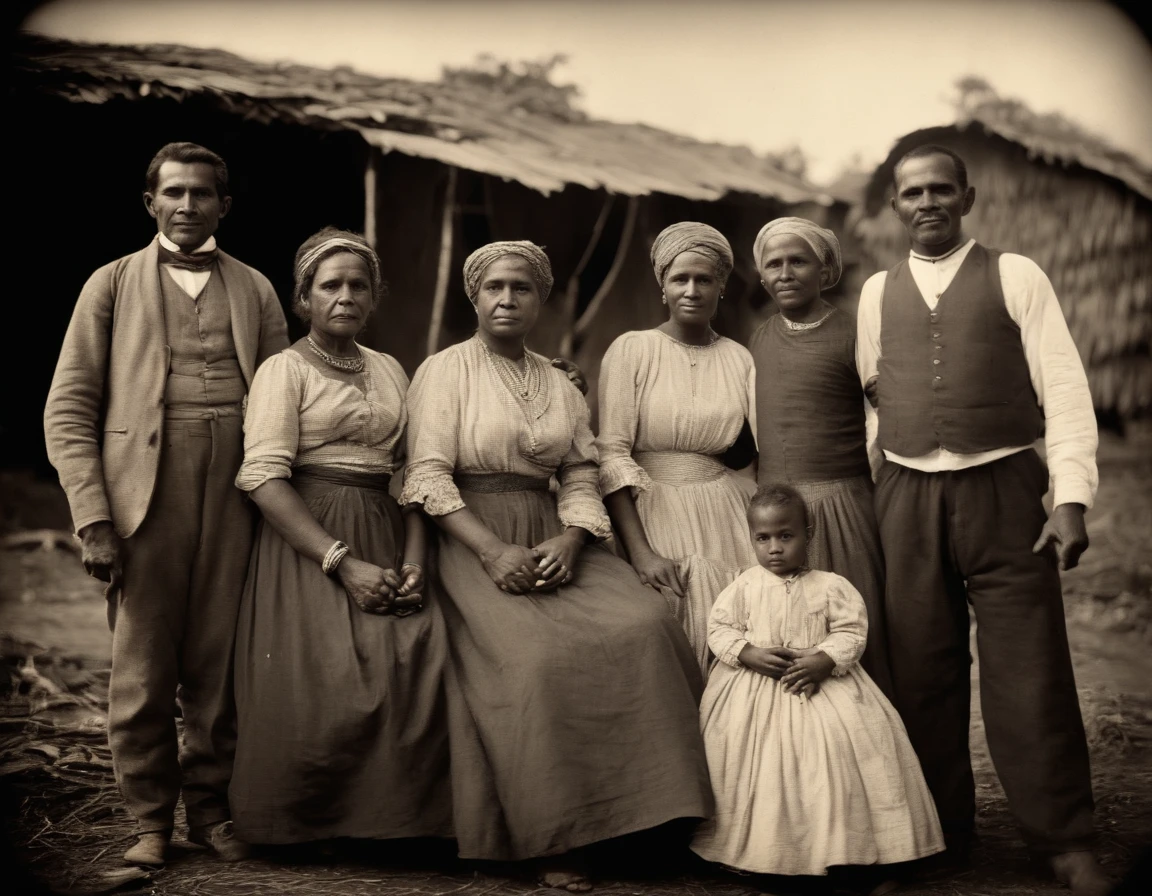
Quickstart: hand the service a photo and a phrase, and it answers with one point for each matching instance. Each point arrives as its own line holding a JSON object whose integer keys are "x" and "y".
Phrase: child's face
{"x": 779, "y": 538}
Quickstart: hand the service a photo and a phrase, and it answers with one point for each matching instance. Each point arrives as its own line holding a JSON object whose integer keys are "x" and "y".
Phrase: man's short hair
{"x": 934, "y": 149}
{"x": 187, "y": 153}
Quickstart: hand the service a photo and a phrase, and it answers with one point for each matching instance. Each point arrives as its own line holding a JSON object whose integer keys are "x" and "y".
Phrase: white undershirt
{"x": 192, "y": 282}
{"x": 1054, "y": 364}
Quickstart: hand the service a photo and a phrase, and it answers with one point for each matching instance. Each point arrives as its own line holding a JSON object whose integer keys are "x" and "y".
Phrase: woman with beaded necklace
{"x": 572, "y": 692}
{"x": 673, "y": 400}
{"x": 341, "y": 729}
{"x": 811, "y": 412}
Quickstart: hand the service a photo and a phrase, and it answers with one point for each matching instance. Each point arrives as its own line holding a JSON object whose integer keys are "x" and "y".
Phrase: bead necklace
{"x": 793, "y": 325}
{"x": 524, "y": 383}
{"x": 348, "y": 365}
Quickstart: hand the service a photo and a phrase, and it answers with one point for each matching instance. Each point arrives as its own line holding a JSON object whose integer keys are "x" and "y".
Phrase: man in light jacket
{"x": 144, "y": 425}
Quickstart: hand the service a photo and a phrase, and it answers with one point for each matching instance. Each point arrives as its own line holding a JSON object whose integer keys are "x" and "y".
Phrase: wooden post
{"x": 585, "y": 320}
{"x": 371, "y": 167}
{"x": 572, "y": 293}
{"x": 444, "y": 265}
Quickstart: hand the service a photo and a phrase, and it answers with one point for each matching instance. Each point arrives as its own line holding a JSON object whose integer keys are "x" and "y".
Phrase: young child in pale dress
{"x": 810, "y": 764}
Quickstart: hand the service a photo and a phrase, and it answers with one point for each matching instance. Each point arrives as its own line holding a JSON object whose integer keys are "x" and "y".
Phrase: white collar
{"x": 209, "y": 245}
{"x": 938, "y": 258}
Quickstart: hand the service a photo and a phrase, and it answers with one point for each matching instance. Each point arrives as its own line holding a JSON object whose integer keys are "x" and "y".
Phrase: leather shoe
{"x": 1080, "y": 872}
{"x": 149, "y": 849}
{"x": 220, "y": 838}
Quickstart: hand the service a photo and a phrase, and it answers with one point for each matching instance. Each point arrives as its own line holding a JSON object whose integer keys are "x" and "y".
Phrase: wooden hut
{"x": 428, "y": 171}
{"x": 1078, "y": 208}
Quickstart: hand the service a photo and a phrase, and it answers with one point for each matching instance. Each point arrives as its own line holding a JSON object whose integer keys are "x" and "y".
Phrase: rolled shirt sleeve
{"x": 271, "y": 423}
{"x": 619, "y": 417}
{"x": 433, "y": 421}
{"x": 578, "y": 502}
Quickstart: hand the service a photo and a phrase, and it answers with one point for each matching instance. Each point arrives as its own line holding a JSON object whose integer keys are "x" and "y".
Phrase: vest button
{"x": 935, "y": 335}
{"x": 939, "y": 377}
{"x": 935, "y": 360}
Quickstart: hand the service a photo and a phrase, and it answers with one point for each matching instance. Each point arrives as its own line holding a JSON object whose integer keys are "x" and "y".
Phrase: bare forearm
{"x": 415, "y": 536}
{"x": 285, "y": 511}
{"x": 626, "y": 521}
{"x": 466, "y": 527}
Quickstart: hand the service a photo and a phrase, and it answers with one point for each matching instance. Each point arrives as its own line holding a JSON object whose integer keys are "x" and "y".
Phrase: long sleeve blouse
{"x": 464, "y": 419}
{"x": 301, "y": 414}
{"x": 659, "y": 394}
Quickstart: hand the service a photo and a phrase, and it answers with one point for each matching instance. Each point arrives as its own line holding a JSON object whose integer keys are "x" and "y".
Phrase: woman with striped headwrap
{"x": 810, "y": 410}
{"x": 572, "y": 692}
{"x": 340, "y": 707}
{"x": 673, "y": 400}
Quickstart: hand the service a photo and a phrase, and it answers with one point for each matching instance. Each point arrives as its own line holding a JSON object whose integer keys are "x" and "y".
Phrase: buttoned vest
{"x": 203, "y": 370}
{"x": 955, "y": 377}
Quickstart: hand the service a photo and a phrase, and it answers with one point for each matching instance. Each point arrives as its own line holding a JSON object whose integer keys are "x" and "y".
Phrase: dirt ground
{"x": 67, "y": 828}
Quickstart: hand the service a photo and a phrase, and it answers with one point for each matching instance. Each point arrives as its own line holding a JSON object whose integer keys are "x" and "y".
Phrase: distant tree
{"x": 526, "y": 84}
{"x": 791, "y": 159}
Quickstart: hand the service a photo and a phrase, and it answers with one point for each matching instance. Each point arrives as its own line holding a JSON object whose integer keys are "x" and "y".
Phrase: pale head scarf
{"x": 477, "y": 263}
{"x": 691, "y": 236}
{"x": 308, "y": 261}
{"x": 822, "y": 241}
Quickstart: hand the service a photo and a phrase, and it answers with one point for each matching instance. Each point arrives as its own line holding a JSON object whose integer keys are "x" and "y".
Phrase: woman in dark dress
{"x": 338, "y": 679}
{"x": 810, "y": 413}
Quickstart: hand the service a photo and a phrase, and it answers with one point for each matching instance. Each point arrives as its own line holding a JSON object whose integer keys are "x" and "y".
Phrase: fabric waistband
{"x": 491, "y": 483}
{"x": 680, "y": 467}
{"x": 818, "y": 491}
{"x": 203, "y": 413}
{"x": 310, "y": 473}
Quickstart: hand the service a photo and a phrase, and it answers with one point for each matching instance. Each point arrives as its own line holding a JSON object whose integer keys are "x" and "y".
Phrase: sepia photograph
{"x": 500, "y": 447}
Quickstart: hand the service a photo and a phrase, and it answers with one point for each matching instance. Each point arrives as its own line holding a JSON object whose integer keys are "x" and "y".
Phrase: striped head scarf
{"x": 478, "y": 262}
{"x": 308, "y": 262}
{"x": 822, "y": 241}
{"x": 691, "y": 236}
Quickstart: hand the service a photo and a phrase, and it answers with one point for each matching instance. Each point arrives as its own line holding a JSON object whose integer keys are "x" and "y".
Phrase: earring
{"x": 663, "y": 298}
{"x": 721, "y": 297}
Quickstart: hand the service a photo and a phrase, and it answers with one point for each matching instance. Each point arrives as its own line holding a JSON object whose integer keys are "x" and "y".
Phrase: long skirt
{"x": 695, "y": 514}
{"x": 573, "y": 713}
{"x": 846, "y": 540}
{"x": 341, "y": 713}
{"x": 805, "y": 784}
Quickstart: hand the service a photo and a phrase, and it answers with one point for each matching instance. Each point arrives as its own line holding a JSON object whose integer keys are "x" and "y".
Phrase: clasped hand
{"x": 381, "y": 591}
{"x": 800, "y": 671}
{"x": 518, "y": 570}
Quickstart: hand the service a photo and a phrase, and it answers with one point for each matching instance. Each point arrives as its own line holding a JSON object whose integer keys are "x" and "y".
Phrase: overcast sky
{"x": 839, "y": 78}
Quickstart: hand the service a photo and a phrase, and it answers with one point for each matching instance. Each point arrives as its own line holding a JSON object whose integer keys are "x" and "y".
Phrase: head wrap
{"x": 822, "y": 241}
{"x": 691, "y": 236}
{"x": 478, "y": 262}
{"x": 310, "y": 261}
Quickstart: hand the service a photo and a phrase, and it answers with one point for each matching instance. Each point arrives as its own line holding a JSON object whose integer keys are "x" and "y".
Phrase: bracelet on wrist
{"x": 332, "y": 559}
{"x": 415, "y": 566}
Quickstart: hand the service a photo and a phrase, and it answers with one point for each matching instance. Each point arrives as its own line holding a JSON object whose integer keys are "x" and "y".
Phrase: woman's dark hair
{"x": 777, "y": 494}
{"x": 188, "y": 154}
{"x": 305, "y": 267}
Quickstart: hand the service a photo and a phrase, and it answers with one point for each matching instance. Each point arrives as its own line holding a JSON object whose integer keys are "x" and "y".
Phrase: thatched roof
{"x": 455, "y": 122}
{"x": 1048, "y": 138}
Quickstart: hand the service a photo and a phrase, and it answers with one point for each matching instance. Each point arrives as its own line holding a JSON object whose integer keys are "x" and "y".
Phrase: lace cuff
{"x": 438, "y": 494}
{"x": 845, "y": 651}
{"x": 623, "y": 472}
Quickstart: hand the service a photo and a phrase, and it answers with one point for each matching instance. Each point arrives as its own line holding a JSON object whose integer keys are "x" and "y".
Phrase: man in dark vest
{"x": 970, "y": 361}
{"x": 143, "y": 424}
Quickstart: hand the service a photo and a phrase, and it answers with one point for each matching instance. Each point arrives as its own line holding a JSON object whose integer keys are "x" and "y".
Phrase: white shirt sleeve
{"x": 868, "y": 357}
{"x": 1058, "y": 378}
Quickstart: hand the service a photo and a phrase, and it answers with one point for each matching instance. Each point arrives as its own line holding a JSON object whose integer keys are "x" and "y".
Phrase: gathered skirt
{"x": 846, "y": 540}
{"x": 573, "y": 713}
{"x": 341, "y": 713}
{"x": 701, "y": 524}
{"x": 805, "y": 784}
